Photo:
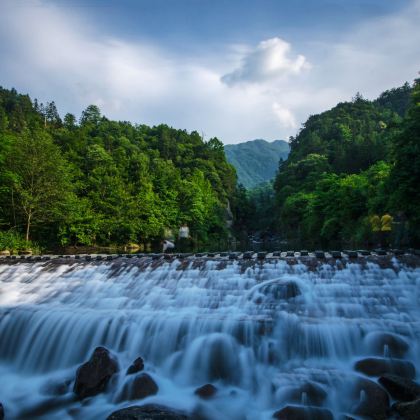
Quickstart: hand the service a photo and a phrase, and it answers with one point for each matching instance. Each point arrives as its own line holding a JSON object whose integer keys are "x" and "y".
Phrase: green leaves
{"x": 352, "y": 161}
{"x": 128, "y": 183}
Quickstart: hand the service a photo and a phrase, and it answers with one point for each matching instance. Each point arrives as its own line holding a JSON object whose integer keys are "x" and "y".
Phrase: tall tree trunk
{"x": 28, "y": 225}
{"x": 13, "y": 209}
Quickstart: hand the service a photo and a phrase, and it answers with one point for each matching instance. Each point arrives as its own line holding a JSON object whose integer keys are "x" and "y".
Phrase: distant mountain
{"x": 256, "y": 161}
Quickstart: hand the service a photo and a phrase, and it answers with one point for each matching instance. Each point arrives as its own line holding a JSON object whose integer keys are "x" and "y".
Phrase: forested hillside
{"x": 256, "y": 161}
{"x": 94, "y": 181}
{"x": 356, "y": 160}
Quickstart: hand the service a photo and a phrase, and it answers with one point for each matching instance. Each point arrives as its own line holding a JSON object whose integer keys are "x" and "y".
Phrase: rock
{"x": 147, "y": 412}
{"x": 377, "y": 342}
{"x": 247, "y": 255}
{"x": 294, "y": 412}
{"x": 1, "y": 411}
{"x": 375, "y": 366}
{"x": 315, "y": 394}
{"x": 5, "y": 253}
{"x": 93, "y": 376}
{"x": 136, "y": 366}
{"x": 140, "y": 387}
{"x": 278, "y": 290}
{"x": 408, "y": 410}
{"x": 206, "y": 391}
{"x": 373, "y": 400}
{"x": 27, "y": 251}
{"x": 401, "y": 389}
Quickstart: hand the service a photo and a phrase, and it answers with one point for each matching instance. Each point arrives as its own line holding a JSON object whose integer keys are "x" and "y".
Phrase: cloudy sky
{"x": 235, "y": 69}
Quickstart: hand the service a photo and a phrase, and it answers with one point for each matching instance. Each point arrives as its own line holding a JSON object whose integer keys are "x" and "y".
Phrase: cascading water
{"x": 266, "y": 334}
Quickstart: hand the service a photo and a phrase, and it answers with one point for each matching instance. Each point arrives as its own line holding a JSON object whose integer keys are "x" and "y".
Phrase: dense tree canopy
{"x": 103, "y": 182}
{"x": 358, "y": 159}
{"x": 92, "y": 181}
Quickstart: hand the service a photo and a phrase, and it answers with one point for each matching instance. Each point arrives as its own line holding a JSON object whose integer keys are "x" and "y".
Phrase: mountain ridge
{"x": 256, "y": 161}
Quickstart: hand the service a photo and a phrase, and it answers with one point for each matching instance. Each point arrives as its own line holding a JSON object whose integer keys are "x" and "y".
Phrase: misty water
{"x": 266, "y": 334}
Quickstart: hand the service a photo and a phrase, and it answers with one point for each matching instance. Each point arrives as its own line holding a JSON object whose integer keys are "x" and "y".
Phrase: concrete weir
{"x": 383, "y": 257}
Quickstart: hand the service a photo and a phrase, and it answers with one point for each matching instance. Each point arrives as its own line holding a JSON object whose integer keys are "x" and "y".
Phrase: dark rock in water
{"x": 374, "y": 401}
{"x": 141, "y": 387}
{"x": 401, "y": 389}
{"x": 294, "y": 412}
{"x": 93, "y": 376}
{"x": 247, "y": 255}
{"x": 206, "y": 391}
{"x": 136, "y": 366}
{"x": 280, "y": 289}
{"x": 375, "y": 366}
{"x": 1, "y": 411}
{"x": 381, "y": 252}
{"x": 408, "y": 410}
{"x": 315, "y": 394}
{"x": 382, "y": 342}
{"x": 148, "y": 412}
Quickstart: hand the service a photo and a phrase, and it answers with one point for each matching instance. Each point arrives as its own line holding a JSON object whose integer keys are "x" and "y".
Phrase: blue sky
{"x": 233, "y": 69}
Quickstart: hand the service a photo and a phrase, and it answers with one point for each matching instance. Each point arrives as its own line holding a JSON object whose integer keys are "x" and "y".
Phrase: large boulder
{"x": 93, "y": 376}
{"x": 206, "y": 391}
{"x": 136, "y": 366}
{"x": 377, "y": 342}
{"x": 147, "y": 412}
{"x": 408, "y": 410}
{"x": 373, "y": 401}
{"x": 376, "y": 366}
{"x": 140, "y": 387}
{"x": 295, "y": 412}
{"x": 401, "y": 389}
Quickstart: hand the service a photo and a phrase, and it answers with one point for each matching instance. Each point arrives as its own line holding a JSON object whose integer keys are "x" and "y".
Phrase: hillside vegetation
{"x": 256, "y": 161}
{"x": 358, "y": 159}
{"x": 95, "y": 181}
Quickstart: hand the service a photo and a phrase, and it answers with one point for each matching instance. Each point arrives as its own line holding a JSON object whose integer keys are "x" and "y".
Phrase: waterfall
{"x": 266, "y": 333}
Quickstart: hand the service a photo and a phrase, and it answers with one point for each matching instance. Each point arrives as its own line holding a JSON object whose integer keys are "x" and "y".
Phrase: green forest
{"x": 357, "y": 160}
{"x": 94, "y": 182}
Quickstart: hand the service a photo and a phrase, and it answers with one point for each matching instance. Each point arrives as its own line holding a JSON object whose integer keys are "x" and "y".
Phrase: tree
{"x": 91, "y": 115}
{"x": 40, "y": 178}
{"x": 405, "y": 175}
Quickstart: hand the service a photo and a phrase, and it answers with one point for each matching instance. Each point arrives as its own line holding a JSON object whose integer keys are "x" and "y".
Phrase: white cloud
{"x": 57, "y": 55}
{"x": 269, "y": 60}
{"x": 284, "y": 115}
